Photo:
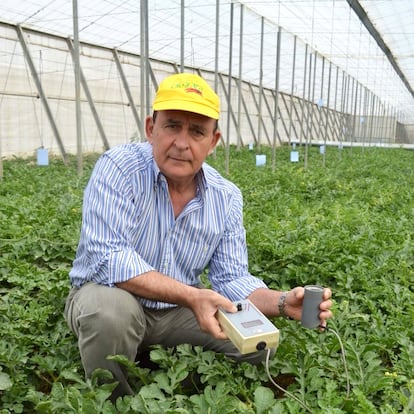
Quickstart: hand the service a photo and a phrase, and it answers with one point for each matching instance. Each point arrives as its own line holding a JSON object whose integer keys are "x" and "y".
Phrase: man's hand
{"x": 267, "y": 301}
{"x": 294, "y": 302}
{"x": 205, "y": 303}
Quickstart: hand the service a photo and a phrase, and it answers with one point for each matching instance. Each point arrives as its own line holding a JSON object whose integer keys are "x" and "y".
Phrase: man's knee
{"x": 109, "y": 310}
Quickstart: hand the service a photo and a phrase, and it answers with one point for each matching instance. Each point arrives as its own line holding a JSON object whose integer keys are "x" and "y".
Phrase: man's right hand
{"x": 205, "y": 303}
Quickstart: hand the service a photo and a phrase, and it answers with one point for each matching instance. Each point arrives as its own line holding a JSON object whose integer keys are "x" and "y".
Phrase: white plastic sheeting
{"x": 330, "y": 26}
{"x": 335, "y": 31}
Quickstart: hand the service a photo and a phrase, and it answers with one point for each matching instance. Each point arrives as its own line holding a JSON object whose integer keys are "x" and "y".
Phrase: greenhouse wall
{"x": 37, "y": 102}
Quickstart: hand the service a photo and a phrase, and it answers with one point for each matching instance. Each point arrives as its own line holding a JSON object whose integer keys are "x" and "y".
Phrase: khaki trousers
{"x": 111, "y": 321}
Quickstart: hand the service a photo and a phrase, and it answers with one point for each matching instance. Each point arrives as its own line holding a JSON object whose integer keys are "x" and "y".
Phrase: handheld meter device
{"x": 248, "y": 328}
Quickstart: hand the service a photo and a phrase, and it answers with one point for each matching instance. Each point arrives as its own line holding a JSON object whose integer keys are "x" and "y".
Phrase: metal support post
{"x": 41, "y": 92}
{"x": 127, "y": 90}
{"x": 90, "y": 99}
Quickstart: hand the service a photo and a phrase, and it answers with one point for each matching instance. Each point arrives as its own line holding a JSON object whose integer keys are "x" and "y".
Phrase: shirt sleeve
{"x": 105, "y": 254}
{"x": 228, "y": 270}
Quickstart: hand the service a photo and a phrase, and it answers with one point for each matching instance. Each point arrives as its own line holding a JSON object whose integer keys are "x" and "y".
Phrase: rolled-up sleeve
{"x": 228, "y": 270}
{"x": 105, "y": 254}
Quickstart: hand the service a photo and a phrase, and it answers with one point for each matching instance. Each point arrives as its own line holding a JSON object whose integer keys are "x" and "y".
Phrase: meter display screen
{"x": 251, "y": 324}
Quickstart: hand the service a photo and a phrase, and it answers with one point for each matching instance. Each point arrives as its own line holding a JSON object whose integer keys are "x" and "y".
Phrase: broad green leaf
{"x": 263, "y": 399}
{"x": 5, "y": 381}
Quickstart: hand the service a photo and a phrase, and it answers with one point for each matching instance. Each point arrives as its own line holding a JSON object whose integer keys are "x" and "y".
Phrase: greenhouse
{"x": 336, "y": 79}
{"x": 316, "y": 130}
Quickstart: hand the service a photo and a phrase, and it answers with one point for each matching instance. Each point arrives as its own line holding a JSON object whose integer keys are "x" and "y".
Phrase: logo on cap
{"x": 194, "y": 90}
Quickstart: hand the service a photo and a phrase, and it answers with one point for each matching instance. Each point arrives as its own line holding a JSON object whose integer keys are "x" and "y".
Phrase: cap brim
{"x": 180, "y": 105}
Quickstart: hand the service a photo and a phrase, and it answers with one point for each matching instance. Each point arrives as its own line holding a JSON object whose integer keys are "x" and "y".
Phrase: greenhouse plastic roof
{"x": 330, "y": 26}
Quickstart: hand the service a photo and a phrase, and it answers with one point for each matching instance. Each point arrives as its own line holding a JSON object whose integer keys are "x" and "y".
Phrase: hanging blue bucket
{"x": 294, "y": 156}
{"x": 42, "y": 156}
{"x": 260, "y": 160}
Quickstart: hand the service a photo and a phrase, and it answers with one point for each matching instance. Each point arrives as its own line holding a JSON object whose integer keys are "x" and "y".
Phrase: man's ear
{"x": 149, "y": 127}
{"x": 216, "y": 139}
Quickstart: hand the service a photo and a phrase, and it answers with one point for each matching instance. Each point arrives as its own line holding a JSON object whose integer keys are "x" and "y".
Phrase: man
{"x": 154, "y": 217}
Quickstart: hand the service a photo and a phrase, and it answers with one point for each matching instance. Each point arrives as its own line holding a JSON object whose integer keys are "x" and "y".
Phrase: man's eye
{"x": 197, "y": 133}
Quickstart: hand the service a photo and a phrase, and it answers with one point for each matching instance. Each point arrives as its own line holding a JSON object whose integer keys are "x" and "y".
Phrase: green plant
{"x": 347, "y": 225}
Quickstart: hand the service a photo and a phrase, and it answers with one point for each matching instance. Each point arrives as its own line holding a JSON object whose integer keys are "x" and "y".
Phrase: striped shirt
{"x": 129, "y": 228}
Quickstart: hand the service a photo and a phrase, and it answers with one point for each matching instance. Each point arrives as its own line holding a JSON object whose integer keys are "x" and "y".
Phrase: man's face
{"x": 181, "y": 142}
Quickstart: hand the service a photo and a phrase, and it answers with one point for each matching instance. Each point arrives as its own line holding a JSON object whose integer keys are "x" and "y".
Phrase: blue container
{"x": 260, "y": 160}
{"x": 42, "y": 156}
{"x": 294, "y": 156}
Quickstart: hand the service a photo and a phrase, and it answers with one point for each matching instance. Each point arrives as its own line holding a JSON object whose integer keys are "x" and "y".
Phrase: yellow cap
{"x": 187, "y": 92}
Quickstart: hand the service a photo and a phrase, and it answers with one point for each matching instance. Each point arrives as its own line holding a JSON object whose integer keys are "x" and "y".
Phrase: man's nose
{"x": 182, "y": 139}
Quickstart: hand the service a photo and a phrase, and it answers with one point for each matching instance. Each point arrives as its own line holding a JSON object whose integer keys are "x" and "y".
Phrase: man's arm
{"x": 113, "y": 214}
{"x": 203, "y": 302}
